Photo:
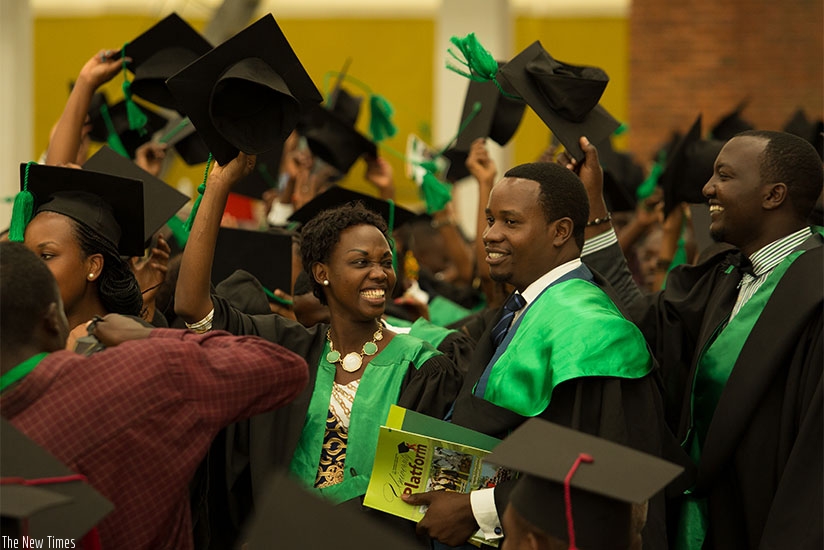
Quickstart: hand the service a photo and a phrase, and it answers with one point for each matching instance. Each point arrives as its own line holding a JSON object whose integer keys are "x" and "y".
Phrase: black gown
{"x": 761, "y": 463}
{"x": 245, "y": 454}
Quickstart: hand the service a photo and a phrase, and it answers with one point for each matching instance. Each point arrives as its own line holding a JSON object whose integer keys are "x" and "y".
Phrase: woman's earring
{"x": 326, "y": 282}
{"x": 91, "y": 276}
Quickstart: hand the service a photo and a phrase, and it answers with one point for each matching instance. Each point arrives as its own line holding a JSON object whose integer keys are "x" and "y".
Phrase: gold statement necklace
{"x": 353, "y": 361}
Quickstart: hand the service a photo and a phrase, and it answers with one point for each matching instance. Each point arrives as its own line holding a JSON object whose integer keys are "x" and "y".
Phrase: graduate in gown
{"x": 326, "y": 438}
{"x": 739, "y": 340}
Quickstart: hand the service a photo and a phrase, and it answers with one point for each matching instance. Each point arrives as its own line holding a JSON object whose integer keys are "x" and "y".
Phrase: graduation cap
{"x": 564, "y": 96}
{"x": 181, "y": 135}
{"x": 288, "y": 516}
{"x": 267, "y": 256}
{"x": 689, "y": 168}
{"x": 159, "y": 53}
{"x": 731, "y": 124}
{"x": 40, "y": 496}
{"x": 246, "y": 93}
{"x": 812, "y": 131}
{"x": 498, "y": 116}
{"x": 331, "y": 134}
{"x": 338, "y": 196}
{"x": 160, "y": 200}
{"x": 457, "y": 165}
{"x": 111, "y": 206}
{"x": 117, "y": 115}
{"x": 622, "y": 176}
{"x": 609, "y": 478}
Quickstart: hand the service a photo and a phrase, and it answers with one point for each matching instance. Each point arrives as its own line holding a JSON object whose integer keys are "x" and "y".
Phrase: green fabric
{"x": 443, "y": 311}
{"x": 380, "y": 118}
{"x": 429, "y": 331}
{"x": 20, "y": 371}
{"x": 379, "y": 388}
{"x": 581, "y": 333}
{"x": 714, "y": 369}
{"x": 21, "y": 210}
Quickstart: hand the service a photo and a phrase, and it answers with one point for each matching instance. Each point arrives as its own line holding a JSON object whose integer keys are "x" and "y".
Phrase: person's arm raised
{"x": 65, "y": 140}
{"x": 193, "y": 301}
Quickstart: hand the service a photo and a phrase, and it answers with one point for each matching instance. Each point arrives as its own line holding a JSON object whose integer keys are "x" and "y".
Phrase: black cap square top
{"x": 160, "y": 200}
{"x": 159, "y": 53}
{"x": 266, "y": 255}
{"x": 111, "y": 206}
{"x": 245, "y": 94}
{"x": 338, "y": 196}
{"x": 564, "y": 96}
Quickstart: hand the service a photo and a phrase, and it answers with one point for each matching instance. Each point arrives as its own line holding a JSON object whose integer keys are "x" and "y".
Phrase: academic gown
{"x": 245, "y": 454}
{"x": 623, "y": 410}
{"x": 761, "y": 460}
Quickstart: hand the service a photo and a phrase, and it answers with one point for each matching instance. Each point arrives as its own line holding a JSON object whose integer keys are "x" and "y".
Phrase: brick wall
{"x": 705, "y": 56}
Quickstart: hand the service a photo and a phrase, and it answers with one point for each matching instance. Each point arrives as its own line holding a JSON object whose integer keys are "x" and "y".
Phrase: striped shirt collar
{"x": 767, "y": 257}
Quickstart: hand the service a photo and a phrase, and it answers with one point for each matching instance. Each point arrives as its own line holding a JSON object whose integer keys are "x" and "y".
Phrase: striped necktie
{"x": 514, "y": 303}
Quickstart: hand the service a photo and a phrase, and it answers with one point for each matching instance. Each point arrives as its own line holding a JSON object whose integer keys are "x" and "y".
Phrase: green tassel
{"x": 648, "y": 185}
{"x": 179, "y": 232}
{"x": 137, "y": 118}
{"x": 479, "y": 63}
{"x": 621, "y": 129}
{"x": 21, "y": 210}
{"x": 435, "y": 193}
{"x": 200, "y": 190}
{"x": 112, "y": 139}
{"x": 380, "y": 118}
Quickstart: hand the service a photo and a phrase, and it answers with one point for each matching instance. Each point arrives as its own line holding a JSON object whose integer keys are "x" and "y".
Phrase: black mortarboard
{"x": 267, "y": 256}
{"x": 602, "y": 490}
{"x": 731, "y": 124}
{"x": 245, "y": 94}
{"x": 159, "y": 53}
{"x": 111, "y": 206}
{"x": 264, "y": 176}
{"x": 288, "y": 516}
{"x": 181, "y": 135}
{"x": 457, "y": 165}
{"x": 131, "y": 139}
{"x": 338, "y": 196}
{"x": 564, "y": 96}
{"x": 66, "y": 509}
{"x": 689, "y": 168}
{"x": 160, "y": 200}
{"x": 622, "y": 176}
{"x": 498, "y": 117}
{"x": 331, "y": 133}
{"x": 812, "y": 131}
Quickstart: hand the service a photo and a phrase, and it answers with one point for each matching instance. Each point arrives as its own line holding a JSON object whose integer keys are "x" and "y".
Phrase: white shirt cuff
{"x": 483, "y": 508}
{"x": 599, "y": 242}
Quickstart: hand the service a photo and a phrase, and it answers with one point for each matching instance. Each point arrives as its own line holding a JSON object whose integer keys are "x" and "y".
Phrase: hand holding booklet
{"x": 417, "y": 453}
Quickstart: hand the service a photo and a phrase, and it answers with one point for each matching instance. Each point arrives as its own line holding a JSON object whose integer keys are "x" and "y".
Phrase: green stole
{"x": 20, "y": 371}
{"x": 572, "y": 330}
{"x": 429, "y": 331}
{"x": 712, "y": 372}
{"x": 378, "y": 389}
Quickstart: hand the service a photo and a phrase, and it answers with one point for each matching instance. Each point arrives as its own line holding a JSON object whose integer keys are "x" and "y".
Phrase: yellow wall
{"x": 393, "y": 56}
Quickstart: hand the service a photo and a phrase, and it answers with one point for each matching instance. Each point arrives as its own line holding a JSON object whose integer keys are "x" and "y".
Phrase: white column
{"x": 491, "y": 22}
{"x": 16, "y": 91}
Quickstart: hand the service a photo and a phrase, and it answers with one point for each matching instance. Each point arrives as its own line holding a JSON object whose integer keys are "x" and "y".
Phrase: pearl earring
{"x": 91, "y": 276}
{"x": 326, "y": 282}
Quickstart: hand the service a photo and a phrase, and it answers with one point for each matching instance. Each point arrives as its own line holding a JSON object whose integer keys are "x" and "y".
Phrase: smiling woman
{"x": 358, "y": 367}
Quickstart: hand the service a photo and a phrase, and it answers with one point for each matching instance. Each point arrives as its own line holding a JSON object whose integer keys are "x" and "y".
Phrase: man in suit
{"x": 558, "y": 349}
{"x": 739, "y": 341}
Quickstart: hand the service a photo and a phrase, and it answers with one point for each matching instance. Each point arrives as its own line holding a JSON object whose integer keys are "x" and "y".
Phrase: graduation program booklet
{"x": 410, "y": 462}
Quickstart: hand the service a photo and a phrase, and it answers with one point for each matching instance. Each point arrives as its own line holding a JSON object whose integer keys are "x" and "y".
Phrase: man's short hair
{"x": 791, "y": 160}
{"x": 562, "y": 194}
{"x": 27, "y": 289}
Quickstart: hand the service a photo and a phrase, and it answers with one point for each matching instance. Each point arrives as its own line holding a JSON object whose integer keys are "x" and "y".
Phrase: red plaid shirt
{"x": 137, "y": 419}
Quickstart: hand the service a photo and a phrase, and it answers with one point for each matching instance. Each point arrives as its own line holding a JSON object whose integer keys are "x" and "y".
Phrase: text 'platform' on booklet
{"x": 417, "y": 453}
